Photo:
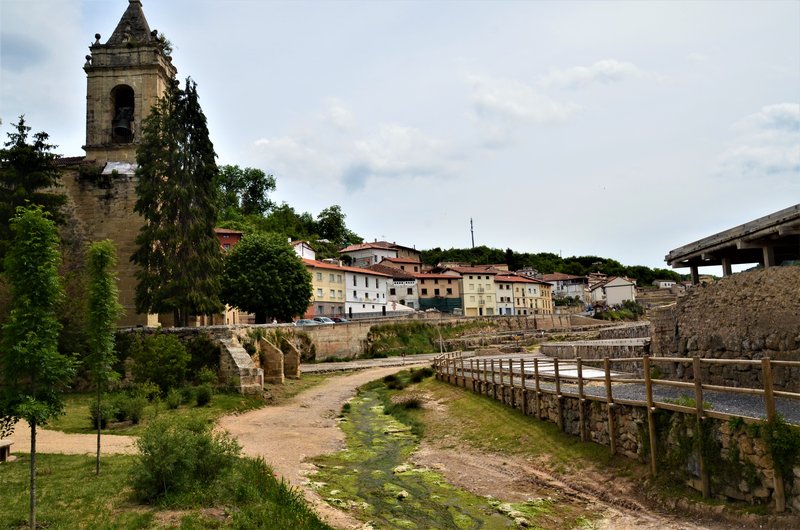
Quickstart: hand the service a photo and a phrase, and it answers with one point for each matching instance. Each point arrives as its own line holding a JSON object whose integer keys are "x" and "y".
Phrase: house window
{"x": 338, "y": 278}
{"x": 424, "y": 291}
{"x": 366, "y": 281}
{"x": 391, "y": 291}
{"x": 449, "y": 290}
{"x": 436, "y": 292}
{"x": 354, "y": 281}
{"x": 339, "y": 293}
{"x": 470, "y": 277}
{"x": 355, "y": 294}
{"x": 449, "y": 282}
{"x": 319, "y": 292}
{"x": 320, "y": 309}
{"x": 402, "y": 267}
{"x": 333, "y": 293}
{"x": 377, "y": 286}
{"x": 319, "y": 276}
{"x": 416, "y": 269}
{"x": 409, "y": 291}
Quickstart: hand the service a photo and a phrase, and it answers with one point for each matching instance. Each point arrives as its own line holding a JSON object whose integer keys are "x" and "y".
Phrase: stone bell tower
{"x": 125, "y": 77}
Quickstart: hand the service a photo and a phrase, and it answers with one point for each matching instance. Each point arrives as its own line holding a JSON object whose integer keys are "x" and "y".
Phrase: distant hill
{"x": 547, "y": 262}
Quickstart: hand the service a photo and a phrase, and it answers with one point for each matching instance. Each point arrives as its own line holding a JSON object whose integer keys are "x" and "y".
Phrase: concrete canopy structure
{"x": 768, "y": 241}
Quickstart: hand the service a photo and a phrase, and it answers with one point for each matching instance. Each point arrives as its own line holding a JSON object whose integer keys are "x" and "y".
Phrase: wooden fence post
{"x": 769, "y": 401}
{"x": 511, "y": 383}
{"x": 705, "y": 480}
{"x": 559, "y": 397}
{"x": 612, "y": 438}
{"x": 651, "y": 422}
{"x": 537, "y": 388}
{"x": 494, "y": 383}
{"x": 581, "y": 412}
{"x": 524, "y": 390}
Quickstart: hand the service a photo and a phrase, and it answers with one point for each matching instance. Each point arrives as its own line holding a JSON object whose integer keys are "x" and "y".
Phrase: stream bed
{"x": 373, "y": 480}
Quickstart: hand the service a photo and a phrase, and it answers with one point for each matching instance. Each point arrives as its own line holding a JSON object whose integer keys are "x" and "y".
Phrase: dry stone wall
{"x": 750, "y": 315}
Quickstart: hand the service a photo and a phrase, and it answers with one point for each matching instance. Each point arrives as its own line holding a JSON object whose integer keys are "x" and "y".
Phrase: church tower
{"x": 125, "y": 78}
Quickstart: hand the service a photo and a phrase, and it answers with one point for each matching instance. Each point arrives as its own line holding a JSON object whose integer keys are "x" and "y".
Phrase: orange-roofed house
{"x": 477, "y": 290}
{"x": 228, "y": 238}
{"x": 440, "y": 291}
{"x": 327, "y": 289}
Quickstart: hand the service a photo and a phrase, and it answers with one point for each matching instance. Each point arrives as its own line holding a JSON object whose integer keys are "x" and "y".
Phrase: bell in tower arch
{"x": 122, "y": 121}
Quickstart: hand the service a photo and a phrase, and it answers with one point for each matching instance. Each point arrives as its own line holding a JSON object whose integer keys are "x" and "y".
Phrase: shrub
{"x": 150, "y": 391}
{"x": 418, "y": 375}
{"x": 203, "y": 395}
{"x": 206, "y": 376}
{"x": 203, "y": 353}
{"x": 162, "y": 360}
{"x": 135, "y": 408}
{"x": 187, "y": 395}
{"x": 119, "y": 404}
{"x": 107, "y": 410}
{"x": 177, "y": 458}
{"x": 173, "y": 399}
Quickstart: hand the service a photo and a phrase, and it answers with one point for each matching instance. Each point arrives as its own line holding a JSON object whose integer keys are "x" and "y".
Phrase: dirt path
{"x": 70, "y": 444}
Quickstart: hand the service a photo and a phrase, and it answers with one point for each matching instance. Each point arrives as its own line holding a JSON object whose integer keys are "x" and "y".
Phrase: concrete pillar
{"x": 769, "y": 256}
{"x": 695, "y": 275}
{"x": 726, "y": 267}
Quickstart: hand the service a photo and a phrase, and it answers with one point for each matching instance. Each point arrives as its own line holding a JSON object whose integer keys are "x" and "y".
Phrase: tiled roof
{"x": 227, "y": 231}
{"x": 299, "y": 242}
{"x": 435, "y": 276}
{"x": 403, "y": 260}
{"x": 514, "y": 279}
{"x": 486, "y": 269}
{"x": 69, "y": 160}
{"x": 132, "y": 25}
{"x": 331, "y": 266}
{"x": 382, "y": 245}
{"x": 392, "y": 271}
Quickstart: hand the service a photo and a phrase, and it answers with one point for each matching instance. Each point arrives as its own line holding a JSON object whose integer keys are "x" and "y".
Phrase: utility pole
{"x": 472, "y": 232}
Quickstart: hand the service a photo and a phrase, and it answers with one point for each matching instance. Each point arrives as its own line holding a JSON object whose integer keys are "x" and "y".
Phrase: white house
{"x": 566, "y": 285}
{"x": 664, "y": 284}
{"x": 614, "y": 291}
{"x": 365, "y": 291}
{"x": 303, "y": 249}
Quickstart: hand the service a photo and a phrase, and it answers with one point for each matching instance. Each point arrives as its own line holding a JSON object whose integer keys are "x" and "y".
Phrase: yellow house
{"x": 532, "y": 297}
{"x": 327, "y": 289}
{"x": 478, "y": 290}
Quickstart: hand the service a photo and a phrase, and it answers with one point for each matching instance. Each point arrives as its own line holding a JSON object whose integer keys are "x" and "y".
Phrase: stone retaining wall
{"x": 741, "y": 468}
{"x": 599, "y": 349}
{"x": 749, "y": 315}
{"x": 637, "y": 330}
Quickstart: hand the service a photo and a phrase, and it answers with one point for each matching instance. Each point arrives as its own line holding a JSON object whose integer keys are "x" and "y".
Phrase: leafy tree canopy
{"x": 32, "y": 369}
{"x": 263, "y": 275}
{"x": 243, "y": 192}
{"x": 27, "y": 176}
{"x": 178, "y": 254}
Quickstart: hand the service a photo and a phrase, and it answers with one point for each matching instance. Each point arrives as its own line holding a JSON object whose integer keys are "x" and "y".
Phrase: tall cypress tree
{"x": 178, "y": 251}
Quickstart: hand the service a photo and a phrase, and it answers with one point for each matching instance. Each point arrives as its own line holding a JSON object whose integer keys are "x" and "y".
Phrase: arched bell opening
{"x": 122, "y": 120}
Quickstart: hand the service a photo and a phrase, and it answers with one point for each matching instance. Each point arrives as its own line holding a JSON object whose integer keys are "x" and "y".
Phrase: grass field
{"x": 76, "y": 413}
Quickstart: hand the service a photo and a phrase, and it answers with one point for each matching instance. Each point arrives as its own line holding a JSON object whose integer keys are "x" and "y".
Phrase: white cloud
{"x": 510, "y": 99}
{"x": 338, "y": 115}
{"x": 768, "y": 144}
{"x": 605, "y": 71}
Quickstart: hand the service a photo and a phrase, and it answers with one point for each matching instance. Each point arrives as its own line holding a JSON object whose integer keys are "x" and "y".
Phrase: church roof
{"x": 132, "y": 26}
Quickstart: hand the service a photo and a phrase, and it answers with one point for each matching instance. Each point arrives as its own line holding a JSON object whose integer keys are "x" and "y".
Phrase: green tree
{"x": 178, "y": 252}
{"x": 27, "y": 175}
{"x": 244, "y": 191}
{"x": 161, "y": 359}
{"x": 33, "y": 371}
{"x": 104, "y": 309}
{"x": 263, "y": 275}
{"x": 331, "y": 225}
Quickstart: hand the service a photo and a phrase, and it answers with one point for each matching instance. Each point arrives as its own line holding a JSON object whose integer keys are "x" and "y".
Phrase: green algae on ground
{"x": 363, "y": 480}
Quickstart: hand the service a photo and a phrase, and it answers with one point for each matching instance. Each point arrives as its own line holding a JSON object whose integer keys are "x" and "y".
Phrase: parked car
{"x": 339, "y": 320}
{"x": 323, "y": 320}
{"x": 306, "y": 322}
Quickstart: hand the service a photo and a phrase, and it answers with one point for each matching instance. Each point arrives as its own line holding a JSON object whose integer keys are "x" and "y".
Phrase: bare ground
{"x": 306, "y": 426}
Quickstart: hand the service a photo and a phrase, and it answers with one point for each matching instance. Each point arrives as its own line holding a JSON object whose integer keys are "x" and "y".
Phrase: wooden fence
{"x": 514, "y": 374}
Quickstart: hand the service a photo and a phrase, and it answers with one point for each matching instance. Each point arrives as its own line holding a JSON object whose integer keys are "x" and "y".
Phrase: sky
{"x": 617, "y": 129}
